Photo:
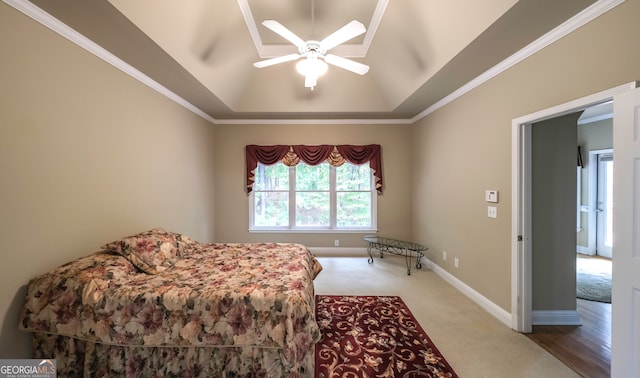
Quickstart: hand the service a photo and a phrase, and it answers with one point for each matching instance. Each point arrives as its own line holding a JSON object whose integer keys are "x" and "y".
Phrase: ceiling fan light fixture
{"x": 316, "y": 61}
{"x": 311, "y": 67}
{"x": 310, "y": 81}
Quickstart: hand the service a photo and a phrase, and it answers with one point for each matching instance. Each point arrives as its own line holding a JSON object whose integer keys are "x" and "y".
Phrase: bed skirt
{"x": 78, "y": 358}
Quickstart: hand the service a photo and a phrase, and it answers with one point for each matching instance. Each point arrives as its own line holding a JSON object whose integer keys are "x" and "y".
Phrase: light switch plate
{"x": 491, "y": 196}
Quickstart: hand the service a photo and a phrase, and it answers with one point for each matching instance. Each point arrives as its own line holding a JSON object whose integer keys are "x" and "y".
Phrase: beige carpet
{"x": 473, "y": 341}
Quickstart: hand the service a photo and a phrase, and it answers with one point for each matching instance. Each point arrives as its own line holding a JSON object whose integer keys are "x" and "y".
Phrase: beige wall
{"x": 465, "y": 147}
{"x": 394, "y": 207}
{"x": 87, "y": 154}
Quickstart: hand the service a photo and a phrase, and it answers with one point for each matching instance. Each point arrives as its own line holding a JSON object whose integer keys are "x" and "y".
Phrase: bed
{"x": 161, "y": 304}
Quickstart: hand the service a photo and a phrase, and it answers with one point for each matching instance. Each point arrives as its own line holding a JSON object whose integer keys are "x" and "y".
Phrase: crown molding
{"x": 592, "y": 12}
{"x": 589, "y": 14}
{"x": 62, "y": 29}
{"x": 245, "y": 9}
{"x": 304, "y": 121}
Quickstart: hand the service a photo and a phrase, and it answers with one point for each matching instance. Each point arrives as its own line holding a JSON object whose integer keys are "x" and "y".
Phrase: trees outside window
{"x": 306, "y": 197}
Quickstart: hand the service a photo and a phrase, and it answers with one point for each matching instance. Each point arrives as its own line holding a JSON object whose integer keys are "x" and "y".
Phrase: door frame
{"x": 521, "y": 181}
{"x": 591, "y": 248}
{"x": 598, "y": 232}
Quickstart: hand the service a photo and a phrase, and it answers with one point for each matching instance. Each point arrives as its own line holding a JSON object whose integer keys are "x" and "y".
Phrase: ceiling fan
{"x": 315, "y": 52}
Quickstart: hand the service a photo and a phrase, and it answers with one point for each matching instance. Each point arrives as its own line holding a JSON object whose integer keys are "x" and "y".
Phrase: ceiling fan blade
{"x": 345, "y": 33}
{"x": 347, "y": 64}
{"x": 285, "y": 33}
{"x": 272, "y": 61}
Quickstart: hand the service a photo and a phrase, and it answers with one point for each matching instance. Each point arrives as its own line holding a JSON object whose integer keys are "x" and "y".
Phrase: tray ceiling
{"x": 419, "y": 51}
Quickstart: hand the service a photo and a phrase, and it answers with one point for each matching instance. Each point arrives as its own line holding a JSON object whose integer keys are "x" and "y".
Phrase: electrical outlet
{"x": 455, "y": 262}
{"x": 336, "y": 243}
{"x": 444, "y": 255}
{"x": 492, "y": 211}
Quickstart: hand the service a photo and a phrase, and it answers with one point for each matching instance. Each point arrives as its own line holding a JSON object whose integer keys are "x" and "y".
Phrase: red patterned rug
{"x": 373, "y": 336}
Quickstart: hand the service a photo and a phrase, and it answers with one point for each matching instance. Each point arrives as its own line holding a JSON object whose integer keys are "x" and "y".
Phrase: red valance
{"x": 314, "y": 155}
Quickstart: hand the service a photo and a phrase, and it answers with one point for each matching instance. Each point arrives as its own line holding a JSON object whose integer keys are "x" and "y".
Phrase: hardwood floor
{"x": 587, "y": 348}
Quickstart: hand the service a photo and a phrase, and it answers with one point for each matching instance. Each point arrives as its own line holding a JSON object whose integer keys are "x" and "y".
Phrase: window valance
{"x": 313, "y": 155}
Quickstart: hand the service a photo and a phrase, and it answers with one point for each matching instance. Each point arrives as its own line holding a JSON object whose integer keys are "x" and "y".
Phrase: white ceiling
{"x": 419, "y": 51}
{"x": 596, "y": 113}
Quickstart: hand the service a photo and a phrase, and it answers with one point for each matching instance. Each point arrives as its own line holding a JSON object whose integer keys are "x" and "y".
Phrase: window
{"x": 313, "y": 197}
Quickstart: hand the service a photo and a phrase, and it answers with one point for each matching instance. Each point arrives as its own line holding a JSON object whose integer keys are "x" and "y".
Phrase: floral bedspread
{"x": 235, "y": 295}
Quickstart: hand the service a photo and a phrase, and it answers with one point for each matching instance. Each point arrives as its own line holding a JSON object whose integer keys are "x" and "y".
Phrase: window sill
{"x": 313, "y": 231}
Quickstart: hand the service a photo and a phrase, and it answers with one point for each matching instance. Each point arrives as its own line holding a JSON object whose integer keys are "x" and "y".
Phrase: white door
{"x": 625, "y": 310}
{"x": 604, "y": 205}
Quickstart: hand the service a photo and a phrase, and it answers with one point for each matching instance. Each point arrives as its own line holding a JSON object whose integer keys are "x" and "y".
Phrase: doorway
{"x": 521, "y": 301}
{"x": 629, "y": 99}
{"x": 604, "y": 203}
{"x": 555, "y": 246}
{"x": 599, "y": 223}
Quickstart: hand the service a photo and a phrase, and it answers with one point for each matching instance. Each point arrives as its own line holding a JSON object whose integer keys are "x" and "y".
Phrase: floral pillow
{"x": 152, "y": 251}
{"x": 183, "y": 242}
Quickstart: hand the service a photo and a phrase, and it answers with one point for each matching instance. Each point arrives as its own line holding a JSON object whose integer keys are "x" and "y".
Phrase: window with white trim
{"x": 308, "y": 198}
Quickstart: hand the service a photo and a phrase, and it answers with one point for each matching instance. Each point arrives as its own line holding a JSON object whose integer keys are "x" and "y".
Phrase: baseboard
{"x": 585, "y": 250}
{"x": 555, "y": 317}
{"x": 339, "y": 251}
{"x": 551, "y": 317}
{"x": 495, "y": 310}
{"x": 492, "y": 308}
